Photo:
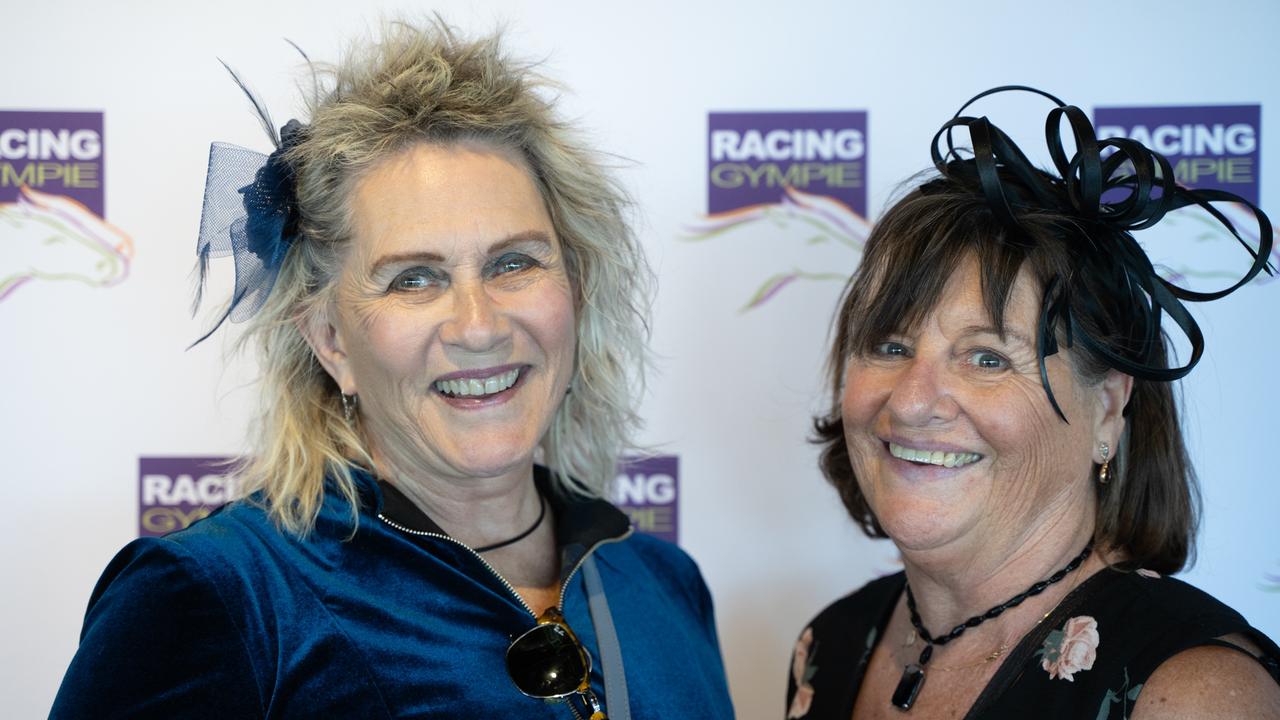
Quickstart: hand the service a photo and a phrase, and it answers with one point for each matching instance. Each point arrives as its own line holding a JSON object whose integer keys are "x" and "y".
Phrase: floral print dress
{"x": 1088, "y": 659}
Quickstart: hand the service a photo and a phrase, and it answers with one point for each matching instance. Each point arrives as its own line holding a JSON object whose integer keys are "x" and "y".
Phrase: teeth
{"x": 933, "y": 457}
{"x": 475, "y": 387}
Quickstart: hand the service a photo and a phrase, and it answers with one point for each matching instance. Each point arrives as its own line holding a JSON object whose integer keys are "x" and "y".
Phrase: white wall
{"x": 96, "y": 377}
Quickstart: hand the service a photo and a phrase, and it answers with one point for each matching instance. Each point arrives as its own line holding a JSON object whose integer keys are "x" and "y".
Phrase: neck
{"x": 477, "y": 511}
{"x": 951, "y": 585}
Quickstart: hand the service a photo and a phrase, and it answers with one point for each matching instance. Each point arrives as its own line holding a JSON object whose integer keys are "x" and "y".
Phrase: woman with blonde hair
{"x": 449, "y": 310}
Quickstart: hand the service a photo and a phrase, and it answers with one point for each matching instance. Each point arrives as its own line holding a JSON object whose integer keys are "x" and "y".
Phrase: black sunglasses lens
{"x": 546, "y": 662}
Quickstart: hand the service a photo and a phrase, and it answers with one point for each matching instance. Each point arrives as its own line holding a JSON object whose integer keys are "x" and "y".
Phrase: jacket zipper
{"x": 505, "y": 583}
{"x": 423, "y": 533}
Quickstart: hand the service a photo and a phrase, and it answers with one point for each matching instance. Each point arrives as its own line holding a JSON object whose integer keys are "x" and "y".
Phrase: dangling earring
{"x": 1104, "y": 472}
{"x": 349, "y": 404}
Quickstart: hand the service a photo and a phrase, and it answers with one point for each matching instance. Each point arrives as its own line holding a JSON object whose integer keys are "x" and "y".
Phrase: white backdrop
{"x": 97, "y": 377}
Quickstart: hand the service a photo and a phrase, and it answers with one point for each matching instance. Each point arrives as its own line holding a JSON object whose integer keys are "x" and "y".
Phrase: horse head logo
{"x": 816, "y": 219}
{"x": 1193, "y": 252}
{"x": 50, "y": 237}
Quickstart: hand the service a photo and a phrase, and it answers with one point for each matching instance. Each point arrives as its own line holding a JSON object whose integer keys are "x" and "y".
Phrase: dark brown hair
{"x": 1148, "y": 511}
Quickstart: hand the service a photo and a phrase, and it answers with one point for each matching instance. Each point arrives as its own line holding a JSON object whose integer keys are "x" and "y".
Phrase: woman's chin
{"x": 921, "y": 526}
{"x": 476, "y": 458}
{"x": 492, "y": 460}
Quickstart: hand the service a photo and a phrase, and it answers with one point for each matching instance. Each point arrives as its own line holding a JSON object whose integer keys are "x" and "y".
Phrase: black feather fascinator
{"x": 1110, "y": 188}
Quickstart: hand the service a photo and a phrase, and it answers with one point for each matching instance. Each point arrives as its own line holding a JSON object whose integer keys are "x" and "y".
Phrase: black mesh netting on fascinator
{"x": 250, "y": 212}
{"x": 1108, "y": 196}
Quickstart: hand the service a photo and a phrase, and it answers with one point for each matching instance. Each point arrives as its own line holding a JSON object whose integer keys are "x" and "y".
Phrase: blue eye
{"x": 510, "y": 263}
{"x": 988, "y": 360}
{"x": 890, "y": 349}
{"x": 417, "y": 278}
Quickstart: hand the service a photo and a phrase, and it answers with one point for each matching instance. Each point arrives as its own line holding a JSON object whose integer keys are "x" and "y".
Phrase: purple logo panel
{"x": 753, "y": 156}
{"x": 60, "y": 153}
{"x": 647, "y": 490}
{"x": 1209, "y": 146}
{"x": 174, "y": 492}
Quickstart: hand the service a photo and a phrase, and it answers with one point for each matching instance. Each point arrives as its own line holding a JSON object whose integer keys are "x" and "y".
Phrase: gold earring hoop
{"x": 1104, "y": 472}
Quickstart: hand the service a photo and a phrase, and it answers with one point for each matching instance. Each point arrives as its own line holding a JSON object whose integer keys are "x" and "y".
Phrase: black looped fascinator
{"x": 250, "y": 212}
{"x": 1107, "y": 198}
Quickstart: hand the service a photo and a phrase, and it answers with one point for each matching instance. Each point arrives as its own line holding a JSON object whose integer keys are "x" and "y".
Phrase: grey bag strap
{"x": 617, "y": 704}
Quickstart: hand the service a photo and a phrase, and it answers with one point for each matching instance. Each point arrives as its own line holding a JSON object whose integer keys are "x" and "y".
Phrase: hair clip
{"x": 250, "y": 212}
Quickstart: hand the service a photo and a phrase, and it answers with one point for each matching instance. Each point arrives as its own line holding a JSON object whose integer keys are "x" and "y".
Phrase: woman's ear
{"x": 329, "y": 347}
{"x": 1113, "y": 397}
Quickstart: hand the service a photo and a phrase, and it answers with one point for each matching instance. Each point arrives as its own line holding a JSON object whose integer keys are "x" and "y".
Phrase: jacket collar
{"x": 581, "y": 522}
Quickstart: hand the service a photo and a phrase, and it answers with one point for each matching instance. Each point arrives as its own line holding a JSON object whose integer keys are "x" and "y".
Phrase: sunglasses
{"x": 549, "y": 663}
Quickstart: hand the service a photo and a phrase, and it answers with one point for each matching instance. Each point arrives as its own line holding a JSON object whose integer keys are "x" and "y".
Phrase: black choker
{"x": 913, "y": 675}
{"x": 542, "y": 512}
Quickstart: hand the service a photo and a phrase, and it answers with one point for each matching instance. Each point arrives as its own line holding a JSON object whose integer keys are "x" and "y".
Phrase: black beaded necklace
{"x": 913, "y": 674}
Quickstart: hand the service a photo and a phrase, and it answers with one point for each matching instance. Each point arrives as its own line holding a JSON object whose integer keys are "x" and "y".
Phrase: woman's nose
{"x": 477, "y": 323}
{"x": 921, "y": 393}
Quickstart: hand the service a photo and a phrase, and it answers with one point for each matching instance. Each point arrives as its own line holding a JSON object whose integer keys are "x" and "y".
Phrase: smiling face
{"x": 453, "y": 318}
{"x": 951, "y": 437}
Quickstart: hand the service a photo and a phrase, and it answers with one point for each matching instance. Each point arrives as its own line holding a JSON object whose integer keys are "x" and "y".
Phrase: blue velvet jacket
{"x": 231, "y": 618}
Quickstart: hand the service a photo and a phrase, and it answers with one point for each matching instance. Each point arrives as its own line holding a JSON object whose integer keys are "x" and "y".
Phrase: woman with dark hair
{"x": 1002, "y": 411}
{"x": 449, "y": 309}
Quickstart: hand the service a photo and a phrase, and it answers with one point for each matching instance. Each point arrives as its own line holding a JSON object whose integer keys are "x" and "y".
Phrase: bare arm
{"x": 1209, "y": 682}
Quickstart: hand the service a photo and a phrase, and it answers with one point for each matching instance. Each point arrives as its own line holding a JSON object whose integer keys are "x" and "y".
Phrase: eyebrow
{"x": 523, "y": 237}
{"x": 989, "y": 330}
{"x": 537, "y": 237}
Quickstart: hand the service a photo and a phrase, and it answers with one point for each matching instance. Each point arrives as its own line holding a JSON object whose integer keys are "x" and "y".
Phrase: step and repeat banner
{"x": 760, "y": 140}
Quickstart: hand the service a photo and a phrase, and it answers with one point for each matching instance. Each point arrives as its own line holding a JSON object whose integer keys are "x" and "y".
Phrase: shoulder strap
{"x": 615, "y": 680}
{"x": 1269, "y": 663}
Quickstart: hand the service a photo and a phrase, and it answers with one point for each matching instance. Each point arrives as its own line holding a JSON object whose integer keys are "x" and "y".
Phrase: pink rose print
{"x": 801, "y": 702}
{"x": 1071, "y": 649}
{"x": 801, "y": 656}
{"x": 802, "y": 671}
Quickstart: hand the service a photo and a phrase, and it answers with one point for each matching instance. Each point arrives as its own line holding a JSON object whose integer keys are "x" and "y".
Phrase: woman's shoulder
{"x": 654, "y": 551}
{"x": 863, "y": 608}
{"x": 212, "y": 556}
{"x": 152, "y": 566}
{"x": 160, "y": 616}
{"x": 1191, "y": 650}
{"x": 235, "y": 531}
{"x": 1140, "y": 619}
{"x": 832, "y": 652}
{"x": 1116, "y": 642}
{"x": 656, "y": 573}
{"x": 236, "y": 546}
{"x": 247, "y": 523}
{"x": 1144, "y": 601}
{"x": 1212, "y": 682}
{"x": 847, "y": 630}
{"x": 640, "y": 555}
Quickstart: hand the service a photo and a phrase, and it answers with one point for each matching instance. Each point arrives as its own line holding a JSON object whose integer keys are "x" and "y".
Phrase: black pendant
{"x": 908, "y": 687}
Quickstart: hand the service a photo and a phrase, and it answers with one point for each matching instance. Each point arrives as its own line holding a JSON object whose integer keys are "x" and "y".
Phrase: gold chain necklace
{"x": 990, "y": 657}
